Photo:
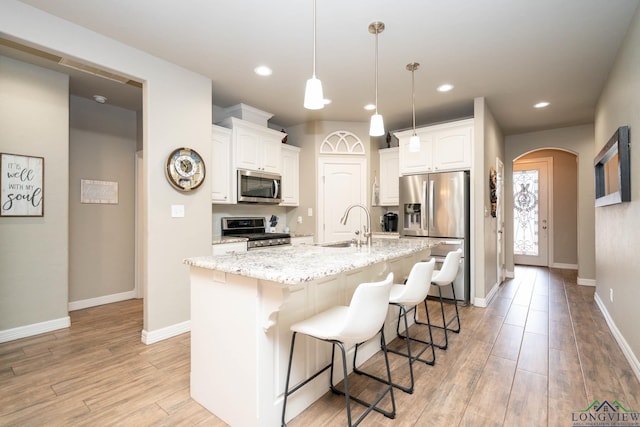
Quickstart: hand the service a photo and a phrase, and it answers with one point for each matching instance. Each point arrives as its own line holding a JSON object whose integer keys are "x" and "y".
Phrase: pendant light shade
{"x": 414, "y": 141}
{"x": 313, "y": 97}
{"x": 377, "y": 125}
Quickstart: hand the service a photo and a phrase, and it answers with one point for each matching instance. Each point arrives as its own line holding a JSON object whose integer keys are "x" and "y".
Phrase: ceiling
{"x": 513, "y": 53}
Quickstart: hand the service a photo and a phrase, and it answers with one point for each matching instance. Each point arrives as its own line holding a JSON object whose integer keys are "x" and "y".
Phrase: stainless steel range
{"x": 254, "y": 229}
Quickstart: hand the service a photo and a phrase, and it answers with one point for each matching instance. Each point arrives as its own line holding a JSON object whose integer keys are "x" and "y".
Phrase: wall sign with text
{"x": 21, "y": 185}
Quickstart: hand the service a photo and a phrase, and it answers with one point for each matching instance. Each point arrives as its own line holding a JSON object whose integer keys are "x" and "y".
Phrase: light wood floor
{"x": 539, "y": 352}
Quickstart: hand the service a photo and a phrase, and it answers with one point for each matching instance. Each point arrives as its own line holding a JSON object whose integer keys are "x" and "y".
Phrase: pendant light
{"x": 313, "y": 97}
{"x": 377, "y": 125}
{"x": 414, "y": 141}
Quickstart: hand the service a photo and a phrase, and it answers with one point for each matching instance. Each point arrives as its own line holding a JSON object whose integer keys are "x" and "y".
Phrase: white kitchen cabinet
{"x": 220, "y": 172}
{"x": 389, "y": 176}
{"x": 228, "y": 248}
{"x": 302, "y": 240}
{"x": 255, "y": 147}
{"x": 443, "y": 147}
{"x": 290, "y": 175}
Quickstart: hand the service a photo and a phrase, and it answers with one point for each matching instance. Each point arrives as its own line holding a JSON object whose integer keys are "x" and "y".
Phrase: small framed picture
{"x": 102, "y": 192}
{"x": 21, "y": 185}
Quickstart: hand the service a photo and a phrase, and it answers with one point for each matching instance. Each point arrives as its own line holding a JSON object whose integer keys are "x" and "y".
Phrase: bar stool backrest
{"x": 449, "y": 270}
{"x": 367, "y": 311}
{"x": 418, "y": 283}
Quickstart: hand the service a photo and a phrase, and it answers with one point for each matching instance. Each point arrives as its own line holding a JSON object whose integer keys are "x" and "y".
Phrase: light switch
{"x": 310, "y": 212}
{"x": 177, "y": 211}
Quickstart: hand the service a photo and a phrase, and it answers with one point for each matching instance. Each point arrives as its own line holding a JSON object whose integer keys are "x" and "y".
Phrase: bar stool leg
{"x": 445, "y": 324}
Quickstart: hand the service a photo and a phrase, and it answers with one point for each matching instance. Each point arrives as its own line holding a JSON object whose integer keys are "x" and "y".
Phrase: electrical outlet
{"x": 611, "y": 294}
{"x": 299, "y": 220}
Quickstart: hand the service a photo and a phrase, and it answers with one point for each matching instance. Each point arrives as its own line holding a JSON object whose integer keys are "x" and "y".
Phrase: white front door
{"x": 342, "y": 182}
{"x": 530, "y": 211}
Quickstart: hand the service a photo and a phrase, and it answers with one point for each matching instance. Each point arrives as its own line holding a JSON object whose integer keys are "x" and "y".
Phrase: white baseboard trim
{"x": 106, "y": 299}
{"x": 586, "y": 282}
{"x": 484, "y": 302}
{"x": 564, "y": 266}
{"x": 624, "y": 346}
{"x": 34, "y": 329}
{"x": 165, "y": 333}
{"x": 508, "y": 274}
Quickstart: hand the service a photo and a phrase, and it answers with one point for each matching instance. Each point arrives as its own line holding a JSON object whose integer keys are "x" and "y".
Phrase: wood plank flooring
{"x": 539, "y": 352}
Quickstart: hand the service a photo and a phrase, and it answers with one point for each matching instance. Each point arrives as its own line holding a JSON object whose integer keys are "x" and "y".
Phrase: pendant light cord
{"x": 314, "y": 39}
{"x": 413, "y": 97}
{"x": 377, "y": 31}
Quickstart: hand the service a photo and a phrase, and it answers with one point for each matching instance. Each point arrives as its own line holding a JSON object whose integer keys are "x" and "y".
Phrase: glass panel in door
{"x": 530, "y": 225}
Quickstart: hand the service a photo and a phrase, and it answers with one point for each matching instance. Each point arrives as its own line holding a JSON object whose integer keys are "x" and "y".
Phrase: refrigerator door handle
{"x": 423, "y": 208}
{"x": 431, "y": 183}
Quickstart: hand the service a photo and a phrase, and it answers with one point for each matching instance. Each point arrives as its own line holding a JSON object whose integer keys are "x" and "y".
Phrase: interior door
{"x": 500, "y": 257}
{"x": 342, "y": 183}
{"x": 530, "y": 212}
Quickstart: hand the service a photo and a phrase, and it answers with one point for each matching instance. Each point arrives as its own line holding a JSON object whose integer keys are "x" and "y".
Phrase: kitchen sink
{"x": 345, "y": 244}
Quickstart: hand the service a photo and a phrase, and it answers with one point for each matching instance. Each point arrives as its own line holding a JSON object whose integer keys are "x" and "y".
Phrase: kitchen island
{"x": 243, "y": 304}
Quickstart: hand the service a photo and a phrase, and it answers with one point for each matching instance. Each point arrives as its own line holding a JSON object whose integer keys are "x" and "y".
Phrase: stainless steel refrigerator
{"x": 437, "y": 206}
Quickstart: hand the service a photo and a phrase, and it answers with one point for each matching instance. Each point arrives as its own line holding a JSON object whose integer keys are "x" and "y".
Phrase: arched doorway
{"x": 545, "y": 208}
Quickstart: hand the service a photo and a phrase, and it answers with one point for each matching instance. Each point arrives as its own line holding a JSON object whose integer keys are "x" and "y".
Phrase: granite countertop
{"x": 221, "y": 240}
{"x": 292, "y": 265}
{"x": 298, "y": 234}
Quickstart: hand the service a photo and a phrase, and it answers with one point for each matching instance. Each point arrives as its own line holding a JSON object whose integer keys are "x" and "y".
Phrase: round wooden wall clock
{"x": 185, "y": 169}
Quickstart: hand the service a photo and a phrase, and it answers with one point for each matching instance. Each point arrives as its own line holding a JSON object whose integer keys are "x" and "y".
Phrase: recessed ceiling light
{"x": 370, "y": 107}
{"x": 263, "y": 70}
{"x": 541, "y": 104}
{"x": 100, "y": 99}
{"x": 445, "y": 87}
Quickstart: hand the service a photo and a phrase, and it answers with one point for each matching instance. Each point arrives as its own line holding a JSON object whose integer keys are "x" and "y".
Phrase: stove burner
{"x": 254, "y": 230}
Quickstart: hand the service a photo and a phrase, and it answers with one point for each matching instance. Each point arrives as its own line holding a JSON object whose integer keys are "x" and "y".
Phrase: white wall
{"x": 487, "y": 145}
{"x": 34, "y": 121}
{"x": 177, "y": 112}
{"x": 578, "y": 140}
{"x": 616, "y": 227}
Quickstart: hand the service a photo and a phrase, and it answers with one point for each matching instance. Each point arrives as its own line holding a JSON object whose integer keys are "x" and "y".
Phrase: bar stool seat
{"x": 362, "y": 320}
{"x": 407, "y": 297}
{"x": 442, "y": 278}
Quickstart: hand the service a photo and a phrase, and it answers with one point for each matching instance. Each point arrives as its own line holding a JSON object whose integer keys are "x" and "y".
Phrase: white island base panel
{"x": 240, "y": 339}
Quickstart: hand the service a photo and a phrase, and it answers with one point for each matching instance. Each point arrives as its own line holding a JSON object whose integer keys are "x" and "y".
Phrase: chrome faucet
{"x": 367, "y": 231}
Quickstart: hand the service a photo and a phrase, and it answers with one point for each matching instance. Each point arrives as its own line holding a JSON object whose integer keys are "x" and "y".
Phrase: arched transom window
{"x": 342, "y": 142}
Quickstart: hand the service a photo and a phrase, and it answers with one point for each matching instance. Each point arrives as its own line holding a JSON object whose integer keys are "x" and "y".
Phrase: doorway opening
{"x": 545, "y": 200}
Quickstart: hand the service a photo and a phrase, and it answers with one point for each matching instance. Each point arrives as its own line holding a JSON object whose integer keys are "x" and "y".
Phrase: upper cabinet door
{"x": 257, "y": 148}
{"x": 220, "y": 173}
{"x": 290, "y": 176}
{"x": 248, "y": 149}
{"x": 389, "y": 176}
{"x": 443, "y": 147}
{"x": 272, "y": 153}
{"x": 452, "y": 148}
{"x": 416, "y": 162}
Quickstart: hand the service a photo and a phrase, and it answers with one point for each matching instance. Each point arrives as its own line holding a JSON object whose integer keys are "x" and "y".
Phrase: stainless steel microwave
{"x": 258, "y": 187}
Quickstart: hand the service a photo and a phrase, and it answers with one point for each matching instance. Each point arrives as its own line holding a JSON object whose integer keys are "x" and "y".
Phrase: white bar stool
{"x": 407, "y": 297}
{"x": 362, "y": 320}
{"x": 445, "y": 277}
